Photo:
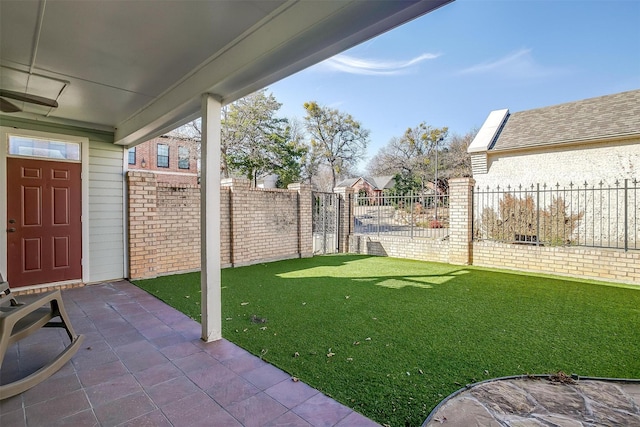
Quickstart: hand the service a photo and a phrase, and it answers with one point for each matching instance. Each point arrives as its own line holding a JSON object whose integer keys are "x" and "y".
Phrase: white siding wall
{"x": 106, "y": 212}
{"x": 590, "y": 162}
{"x": 105, "y": 199}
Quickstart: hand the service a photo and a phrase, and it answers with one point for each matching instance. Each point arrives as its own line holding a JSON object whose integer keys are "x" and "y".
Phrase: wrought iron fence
{"x": 412, "y": 215}
{"x": 605, "y": 216}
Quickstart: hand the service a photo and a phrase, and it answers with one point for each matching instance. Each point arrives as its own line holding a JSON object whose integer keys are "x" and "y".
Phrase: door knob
{"x": 11, "y": 230}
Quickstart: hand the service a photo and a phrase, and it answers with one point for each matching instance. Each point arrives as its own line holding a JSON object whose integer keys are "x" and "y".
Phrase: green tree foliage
{"x": 256, "y": 142}
{"x": 456, "y": 162}
{"x": 412, "y": 155}
{"x": 405, "y": 184}
{"x": 336, "y": 138}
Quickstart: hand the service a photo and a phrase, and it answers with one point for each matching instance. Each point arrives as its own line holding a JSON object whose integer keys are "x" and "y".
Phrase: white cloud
{"x": 372, "y": 67}
{"x": 520, "y": 64}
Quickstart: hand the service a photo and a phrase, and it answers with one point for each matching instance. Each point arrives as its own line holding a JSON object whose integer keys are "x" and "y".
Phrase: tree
{"x": 456, "y": 160}
{"x": 336, "y": 138}
{"x": 412, "y": 155}
{"x": 254, "y": 141}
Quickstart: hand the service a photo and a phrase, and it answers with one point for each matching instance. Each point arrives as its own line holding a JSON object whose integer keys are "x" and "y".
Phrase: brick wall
{"x": 582, "y": 262}
{"x": 147, "y": 155}
{"x": 591, "y": 263}
{"x": 256, "y": 225}
{"x": 436, "y": 250}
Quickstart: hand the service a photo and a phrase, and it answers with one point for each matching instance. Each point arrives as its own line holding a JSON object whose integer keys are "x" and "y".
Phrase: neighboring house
{"x": 369, "y": 186}
{"x": 593, "y": 140}
{"x": 173, "y": 160}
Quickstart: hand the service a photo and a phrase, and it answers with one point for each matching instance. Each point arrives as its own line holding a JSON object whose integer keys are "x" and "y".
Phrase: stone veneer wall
{"x": 256, "y": 225}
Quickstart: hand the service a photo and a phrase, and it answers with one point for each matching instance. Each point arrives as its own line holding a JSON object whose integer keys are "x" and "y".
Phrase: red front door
{"x": 44, "y": 232}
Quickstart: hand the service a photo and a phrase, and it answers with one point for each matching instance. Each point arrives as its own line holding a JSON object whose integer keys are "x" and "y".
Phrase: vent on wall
{"x": 479, "y": 163}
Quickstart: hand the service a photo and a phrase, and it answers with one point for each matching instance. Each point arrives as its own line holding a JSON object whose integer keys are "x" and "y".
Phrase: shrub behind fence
{"x": 581, "y": 215}
{"x": 412, "y": 215}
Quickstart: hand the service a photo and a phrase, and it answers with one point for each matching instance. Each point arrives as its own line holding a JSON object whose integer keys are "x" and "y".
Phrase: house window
{"x": 163, "y": 156}
{"x": 45, "y": 148}
{"x": 132, "y": 156}
{"x": 183, "y": 157}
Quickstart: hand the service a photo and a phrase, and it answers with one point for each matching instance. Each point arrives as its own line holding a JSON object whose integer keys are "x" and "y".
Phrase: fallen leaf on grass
{"x": 356, "y": 343}
{"x": 296, "y": 354}
{"x": 349, "y": 359}
{"x": 295, "y": 379}
{"x": 368, "y": 339}
{"x": 264, "y": 328}
{"x": 244, "y": 303}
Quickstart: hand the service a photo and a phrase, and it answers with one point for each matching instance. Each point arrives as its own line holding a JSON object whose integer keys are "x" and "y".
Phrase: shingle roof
{"x": 377, "y": 182}
{"x": 607, "y": 116}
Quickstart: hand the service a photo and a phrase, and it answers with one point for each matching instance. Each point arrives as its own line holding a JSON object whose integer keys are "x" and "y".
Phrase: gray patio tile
{"x": 168, "y": 391}
{"x": 222, "y": 350}
{"x": 85, "y": 419}
{"x": 124, "y": 409}
{"x": 113, "y": 389}
{"x": 207, "y": 416}
{"x": 102, "y": 373}
{"x": 194, "y": 362}
{"x": 89, "y": 359}
{"x": 158, "y": 374}
{"x": 126, "y": 338}
{"x": 288, "y": 420}
{"x": 169, "y": 339}
{"x": 122, "y": 377}
{"x": 52, "y": 410}
{"x": 43, "y": 391}
{"x": 244, "y": 363}
{"x": 211, "y": 375}
{"x": 266, "y": 376}
{"x": 180, "y": 350}
{"x": 357, "y": 420}
{"x": 134, "y": 348}
{"x": 233, "y": 391}
{"x": 176, "y": 409}
{"x": 322, "y": 411}
{"x": 156, "y": 331}
{"x": 11, "y": 404}
{"x": 257, "y": 410}
{"x": 291, "y": 393}
{"x": 143, "y": 360}
{"x": 12, "y": 418}
{"x": 152, "y": 419}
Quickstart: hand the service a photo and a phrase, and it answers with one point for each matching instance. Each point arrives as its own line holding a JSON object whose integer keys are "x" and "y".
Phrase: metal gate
{"x": 325, "y": 223}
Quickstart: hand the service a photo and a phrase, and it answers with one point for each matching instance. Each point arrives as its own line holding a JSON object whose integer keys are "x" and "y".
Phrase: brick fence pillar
{"x": 345, "y": 203}
{"x": 142, "y": 224}
{"x": 305, "y": 219}
{"x": 461, "y": 221}
{"x": 238, "y": 200}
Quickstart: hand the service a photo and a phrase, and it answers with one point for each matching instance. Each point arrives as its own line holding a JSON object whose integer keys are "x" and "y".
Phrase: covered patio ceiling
{"x": 139, "y": 68}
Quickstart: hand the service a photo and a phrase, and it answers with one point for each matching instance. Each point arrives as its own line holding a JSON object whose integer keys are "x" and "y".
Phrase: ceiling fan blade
{"x": 32, "y": 99}
{"x": 8, "y": 107}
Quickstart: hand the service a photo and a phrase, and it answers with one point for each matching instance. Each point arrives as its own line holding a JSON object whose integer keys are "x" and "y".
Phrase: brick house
{"x": 174, "y": 160}
{"x": 369, "y": 186}
{"x": 593, "y": 140}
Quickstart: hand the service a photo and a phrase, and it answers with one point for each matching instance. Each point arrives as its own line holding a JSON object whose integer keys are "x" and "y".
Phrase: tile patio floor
{"x": 142, "y": 364}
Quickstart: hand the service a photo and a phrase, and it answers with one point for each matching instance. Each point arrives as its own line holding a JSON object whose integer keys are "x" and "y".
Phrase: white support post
{"x": 210, "y": 220}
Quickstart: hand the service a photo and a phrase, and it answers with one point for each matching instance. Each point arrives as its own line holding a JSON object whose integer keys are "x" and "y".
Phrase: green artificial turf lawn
{"x": 391, "y": 338}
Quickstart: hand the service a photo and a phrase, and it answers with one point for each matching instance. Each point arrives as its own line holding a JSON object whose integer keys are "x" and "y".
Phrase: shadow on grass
{"x": 391, "y": 338}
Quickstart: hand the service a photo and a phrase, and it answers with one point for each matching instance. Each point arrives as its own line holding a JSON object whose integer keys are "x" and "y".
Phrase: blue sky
{"x": 453, "y": 66}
